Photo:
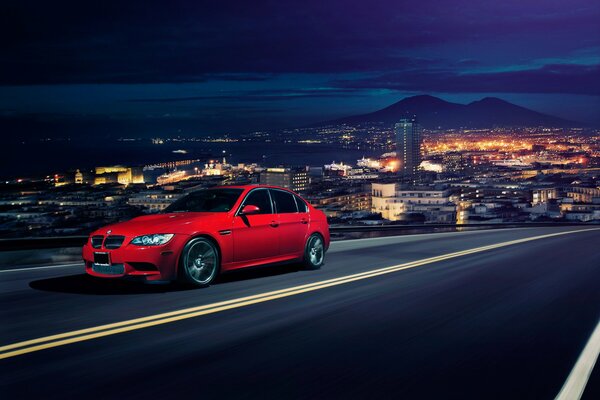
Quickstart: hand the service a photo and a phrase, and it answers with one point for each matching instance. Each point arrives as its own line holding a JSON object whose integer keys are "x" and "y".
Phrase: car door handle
{"x": 304, "y": 221}
{"x": 274, "y": 224}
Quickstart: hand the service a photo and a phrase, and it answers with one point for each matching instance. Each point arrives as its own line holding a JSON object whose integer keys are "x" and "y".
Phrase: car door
{"x": 293, "y": 225}
{"x": 256, "y": 236}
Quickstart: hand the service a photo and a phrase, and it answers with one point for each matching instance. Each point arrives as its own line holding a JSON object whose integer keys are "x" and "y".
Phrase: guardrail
{"x": 77, "y": 241}
{"x": 499, "y": 225}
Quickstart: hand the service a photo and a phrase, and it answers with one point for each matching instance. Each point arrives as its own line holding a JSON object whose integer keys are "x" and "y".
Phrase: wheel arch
{"x": 320, "y": 233}
{"x": 202, "y": 235}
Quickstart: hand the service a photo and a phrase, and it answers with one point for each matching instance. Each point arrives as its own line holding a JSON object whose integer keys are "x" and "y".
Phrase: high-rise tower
{"x": 408, "y": 146}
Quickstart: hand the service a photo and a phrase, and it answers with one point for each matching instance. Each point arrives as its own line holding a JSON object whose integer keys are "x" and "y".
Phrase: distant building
{"x": 358, "y": 201}
{"x": 543, "y": 195}
{"x": 408, "y": 146}
{"x": 431, "y": 166}
{"x": 584, "y": 194}
{"x": 154, "y": 201}
{"x": 118, "y": 174}
{"x": 315, "y": 173}
{"x": 456, "y": 163}
{"x": 171, "y": 177}
{"x": 338, "y": 168}
{"x": 428, "y": 204}
{"x": 78, "y": 177}
{"x": 295, "y": 179}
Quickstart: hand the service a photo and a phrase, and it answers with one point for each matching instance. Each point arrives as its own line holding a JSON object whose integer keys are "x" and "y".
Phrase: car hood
{"x": 183, "y": 223}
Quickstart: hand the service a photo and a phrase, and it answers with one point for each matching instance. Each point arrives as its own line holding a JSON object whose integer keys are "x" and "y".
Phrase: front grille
{"x": 97, "y": 241}
{"x": 114, "y": 242}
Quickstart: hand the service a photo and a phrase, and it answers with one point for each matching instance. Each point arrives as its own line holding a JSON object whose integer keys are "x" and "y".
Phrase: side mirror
{"x": 249, "y": 209}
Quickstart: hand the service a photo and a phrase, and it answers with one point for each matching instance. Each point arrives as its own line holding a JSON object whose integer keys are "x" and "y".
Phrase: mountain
{"x": 433, "y": 112}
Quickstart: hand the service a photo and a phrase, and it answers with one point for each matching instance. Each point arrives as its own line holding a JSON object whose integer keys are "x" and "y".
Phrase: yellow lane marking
{"x": 81, "y": 335}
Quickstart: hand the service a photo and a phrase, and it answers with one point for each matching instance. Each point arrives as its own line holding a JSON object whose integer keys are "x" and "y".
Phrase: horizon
{"x": 188, "y": 128}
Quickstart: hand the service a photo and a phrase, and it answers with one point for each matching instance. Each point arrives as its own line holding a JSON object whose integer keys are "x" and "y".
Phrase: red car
{"x": 211, "y": 231}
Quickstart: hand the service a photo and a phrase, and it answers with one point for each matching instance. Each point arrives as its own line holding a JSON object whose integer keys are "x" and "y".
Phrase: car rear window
{"x": 284, "y": 202}
{"x": 301, "y": 204}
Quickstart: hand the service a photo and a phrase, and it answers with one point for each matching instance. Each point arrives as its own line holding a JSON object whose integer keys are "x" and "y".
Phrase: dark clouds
{"x": 572, "y": 79}
{"x": 146, "y": 42}
{"x": 240, "y": 52}
{"x": 259, "y": 95}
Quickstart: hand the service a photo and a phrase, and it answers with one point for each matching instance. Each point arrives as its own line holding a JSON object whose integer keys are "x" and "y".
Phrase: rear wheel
{"x": 314, "y": 252}
{"x": 199, "y": 262}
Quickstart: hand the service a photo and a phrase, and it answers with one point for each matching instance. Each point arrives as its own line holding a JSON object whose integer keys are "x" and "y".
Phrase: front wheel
{"x": 314, "y": 252}
{"x": 199, "y": 262}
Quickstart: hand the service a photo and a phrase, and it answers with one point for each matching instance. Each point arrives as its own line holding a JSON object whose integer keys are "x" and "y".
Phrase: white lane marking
{"x": 80, "y": 264}
{"x": 578, "y": 378}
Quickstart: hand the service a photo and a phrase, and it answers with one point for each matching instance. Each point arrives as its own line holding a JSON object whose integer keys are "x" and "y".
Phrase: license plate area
{"x": 114, "y": 269}
{"x": 102, "y": 259}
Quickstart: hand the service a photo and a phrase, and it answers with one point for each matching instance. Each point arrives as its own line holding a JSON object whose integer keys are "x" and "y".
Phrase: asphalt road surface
{"x": 507, "y": 321}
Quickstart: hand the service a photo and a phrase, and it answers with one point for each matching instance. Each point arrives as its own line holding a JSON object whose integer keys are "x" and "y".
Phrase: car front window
{"x": 207, "y": 200}
{"x": 261, "y": 199}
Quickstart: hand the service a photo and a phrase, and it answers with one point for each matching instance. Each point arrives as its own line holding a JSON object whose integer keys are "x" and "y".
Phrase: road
{"x": 509, "y": 321}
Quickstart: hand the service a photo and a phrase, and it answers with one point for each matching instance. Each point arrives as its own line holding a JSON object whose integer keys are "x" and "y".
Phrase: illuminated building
{"x": 172, "y": 164}
{"x": 360, "y": 201}
{"x": 511, "y": 163}
{"x": 172, "y": 177}
{"x": 78, "y": 177}
{"x": 455, "y": 162}
{"x": 584, "y": 194}
{"x": 368, "y": 163}
{"x": 397, "y": 204}
{"x": 580, "y": 212}
{"x": 542, "y": 195}
{"x": 295, "y": 179}
{"x": 341, "y": 168}
{"x": 107, "y": 170}
{"x": 431, "y": 166}
{"x": 118, "y": 174}
{"x": 153, "y": 201}
{"x": 215, "y": 168}
{"x": 408, "y": 146}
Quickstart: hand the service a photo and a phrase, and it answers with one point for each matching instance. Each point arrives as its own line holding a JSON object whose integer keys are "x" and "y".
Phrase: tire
{"x": 200, "y": 262}
{"x": 314, "y": 252}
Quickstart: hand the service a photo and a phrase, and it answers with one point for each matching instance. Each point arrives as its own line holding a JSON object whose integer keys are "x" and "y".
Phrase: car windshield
{"x": 207, "y": 200}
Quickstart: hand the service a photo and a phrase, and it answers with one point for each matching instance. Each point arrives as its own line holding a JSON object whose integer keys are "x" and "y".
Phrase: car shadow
{"x": 86, "y": 284}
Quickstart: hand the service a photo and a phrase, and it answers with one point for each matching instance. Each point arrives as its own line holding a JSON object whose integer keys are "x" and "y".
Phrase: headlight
{"x": 152, "y": 240}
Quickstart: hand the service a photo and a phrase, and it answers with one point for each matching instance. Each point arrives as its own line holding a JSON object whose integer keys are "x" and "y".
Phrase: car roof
{"x": 251, "y": 186}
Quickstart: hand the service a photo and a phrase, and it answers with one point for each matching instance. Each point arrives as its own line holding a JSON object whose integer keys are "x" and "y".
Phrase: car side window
{"x": 260, "y": 198}
{"x": 284, "y": 202}
{"x": 302, "y": 207}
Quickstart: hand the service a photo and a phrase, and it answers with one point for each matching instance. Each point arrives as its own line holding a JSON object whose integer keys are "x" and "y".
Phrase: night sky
{"x": 241, "y": 65}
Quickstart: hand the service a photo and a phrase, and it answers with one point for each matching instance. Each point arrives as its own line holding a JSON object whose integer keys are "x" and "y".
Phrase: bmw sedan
{"x": 211, "y": 231}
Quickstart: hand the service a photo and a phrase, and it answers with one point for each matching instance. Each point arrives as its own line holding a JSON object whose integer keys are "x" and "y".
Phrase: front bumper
{"x": 147, "y": 263}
